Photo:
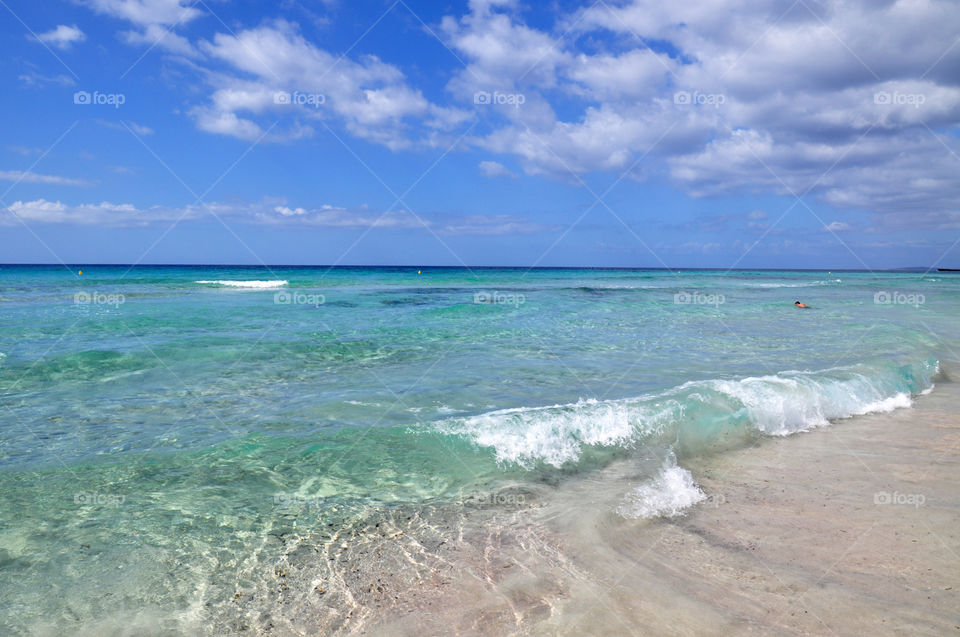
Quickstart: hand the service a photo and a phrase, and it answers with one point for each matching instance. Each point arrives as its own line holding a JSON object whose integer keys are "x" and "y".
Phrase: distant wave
{"x": 807, "y": 284}
{"x": 246, "y": 284}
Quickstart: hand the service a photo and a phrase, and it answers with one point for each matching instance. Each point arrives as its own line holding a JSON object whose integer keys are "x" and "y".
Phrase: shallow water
{"x": 169, "y": 431}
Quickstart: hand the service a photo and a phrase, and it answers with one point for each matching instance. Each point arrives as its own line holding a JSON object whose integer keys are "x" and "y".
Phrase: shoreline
{"x": 845, "y": 529}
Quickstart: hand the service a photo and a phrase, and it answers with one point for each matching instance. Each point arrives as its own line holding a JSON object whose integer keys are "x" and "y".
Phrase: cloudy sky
{"x": 716, "y": 133}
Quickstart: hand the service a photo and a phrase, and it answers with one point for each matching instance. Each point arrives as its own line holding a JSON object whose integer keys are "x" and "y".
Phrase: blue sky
{"x": 723, "y": 133}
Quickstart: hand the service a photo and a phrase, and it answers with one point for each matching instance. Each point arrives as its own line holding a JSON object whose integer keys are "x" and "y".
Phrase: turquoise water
{"x": 162, "y": 424}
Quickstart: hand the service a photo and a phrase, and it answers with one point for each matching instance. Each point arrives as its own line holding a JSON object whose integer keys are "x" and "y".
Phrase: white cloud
{"x": 161, "y": 36}
{"x": 140, "y": 130}
{"x": 155, "y": 22}
{"x": 634, "y": 74}
{"x": 336, "y": 217}
{"x": 495, "y": 169}
{"x": 371, "y": 98}
{"x": 265, "y": 213}
{"x": 856, "y": 102}
{"x": 148, "y": 12}
{"x": 495, "y": 225}
{"x": 30, "y": 177}
{"x": 777, "y": 96}
{"x": 43, "y": 211}
{"x": 32, "y": 78}
{"x": 62, "y": 37}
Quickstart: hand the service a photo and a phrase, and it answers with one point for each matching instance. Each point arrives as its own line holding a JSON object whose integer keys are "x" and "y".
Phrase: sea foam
{"x": 246, "y": 284}
{"x": 671, "y": 492}
{"x": 695, "y": 417}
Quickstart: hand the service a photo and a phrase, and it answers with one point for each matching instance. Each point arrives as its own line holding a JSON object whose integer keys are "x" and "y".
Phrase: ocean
{"x": 174, "y": 436}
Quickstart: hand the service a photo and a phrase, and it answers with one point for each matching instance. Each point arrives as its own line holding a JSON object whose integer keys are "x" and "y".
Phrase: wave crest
{"x": 696, "y": 417}
{"x": 246, "y": 284}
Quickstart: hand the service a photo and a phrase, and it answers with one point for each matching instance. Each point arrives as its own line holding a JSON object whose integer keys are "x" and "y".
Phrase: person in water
{"x": 799, "y": 304}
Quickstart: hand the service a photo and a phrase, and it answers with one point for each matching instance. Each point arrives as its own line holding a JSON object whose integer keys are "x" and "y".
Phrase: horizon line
{"x": 469, "y": 267}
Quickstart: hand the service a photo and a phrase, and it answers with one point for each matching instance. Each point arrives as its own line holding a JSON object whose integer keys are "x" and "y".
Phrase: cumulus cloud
{"x": 62, "y": 37}
{"x": 273, "y": 71}
{"x": 849, "y": 101}
{"x": 855, "y": 103}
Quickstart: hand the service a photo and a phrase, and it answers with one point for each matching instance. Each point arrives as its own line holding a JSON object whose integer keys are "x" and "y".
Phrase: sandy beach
{"x": 847, "y": 529}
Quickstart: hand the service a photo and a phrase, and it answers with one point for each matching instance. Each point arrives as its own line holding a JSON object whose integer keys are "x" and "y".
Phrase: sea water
{"x": 166, "y": 429}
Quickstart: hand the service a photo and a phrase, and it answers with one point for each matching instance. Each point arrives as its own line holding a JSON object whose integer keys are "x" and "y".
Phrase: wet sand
{"x": 848, "y": 529}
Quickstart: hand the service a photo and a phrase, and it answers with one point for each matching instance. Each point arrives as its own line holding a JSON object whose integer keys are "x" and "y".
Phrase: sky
{"x": 639, "y": 133}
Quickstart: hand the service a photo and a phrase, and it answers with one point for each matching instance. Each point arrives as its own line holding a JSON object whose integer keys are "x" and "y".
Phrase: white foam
{"x": 669, "y": 494}
{"x": 246, "y": 284}
{"x": 785, "y": 404}
{"x": 900, "y": 401}
{"x": 552, "y": 434}
{"x": 701, "y": 413}
{"x": 792, "y": 285}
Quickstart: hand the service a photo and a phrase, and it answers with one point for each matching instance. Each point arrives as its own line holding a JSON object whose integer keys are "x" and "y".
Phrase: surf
{"x": 696, "y": 417}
